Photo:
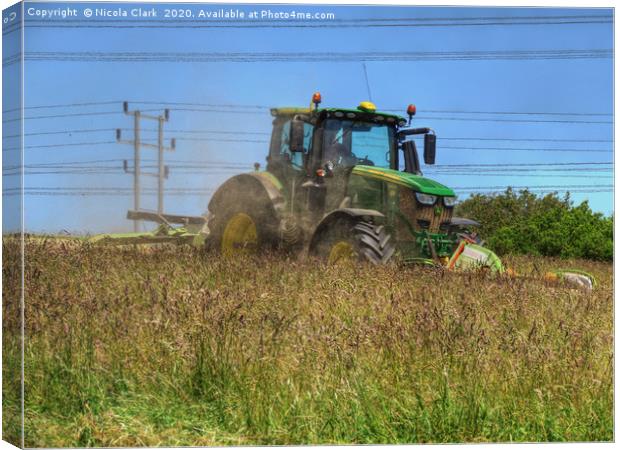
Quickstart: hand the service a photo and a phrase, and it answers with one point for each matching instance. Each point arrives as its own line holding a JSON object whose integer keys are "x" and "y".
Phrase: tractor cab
{"x": 328, "y": 158}
{"x": 318, "y": 141}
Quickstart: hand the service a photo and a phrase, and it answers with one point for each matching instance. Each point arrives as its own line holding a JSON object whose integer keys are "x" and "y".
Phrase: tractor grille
{"x": 434, "y": 219}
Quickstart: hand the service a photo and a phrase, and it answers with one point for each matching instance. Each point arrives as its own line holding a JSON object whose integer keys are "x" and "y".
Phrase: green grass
{"x": 172, "y": 346}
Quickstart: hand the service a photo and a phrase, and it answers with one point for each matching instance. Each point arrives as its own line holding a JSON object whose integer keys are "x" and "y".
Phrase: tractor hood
{"x": 414, "y": 182}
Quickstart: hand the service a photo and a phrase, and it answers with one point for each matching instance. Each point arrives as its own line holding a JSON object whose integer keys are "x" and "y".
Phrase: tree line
{"x": 525, "y": 223}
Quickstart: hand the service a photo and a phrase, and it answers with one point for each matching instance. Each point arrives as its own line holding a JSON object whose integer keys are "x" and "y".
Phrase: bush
{"x": 524, "y": 223}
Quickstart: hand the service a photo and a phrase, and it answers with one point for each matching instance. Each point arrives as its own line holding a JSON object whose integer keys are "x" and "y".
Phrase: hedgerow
{"x": 524, "y": 223}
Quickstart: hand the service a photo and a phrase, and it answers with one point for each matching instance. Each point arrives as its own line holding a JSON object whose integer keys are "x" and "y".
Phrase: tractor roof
{"x": 291, "y": 111}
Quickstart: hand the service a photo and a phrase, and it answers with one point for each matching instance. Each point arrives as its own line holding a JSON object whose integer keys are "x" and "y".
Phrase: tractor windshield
{"x": 347, "y": 143}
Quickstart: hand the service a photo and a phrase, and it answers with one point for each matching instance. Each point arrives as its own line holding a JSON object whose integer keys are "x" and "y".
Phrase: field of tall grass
{"x": 173, "y": 346}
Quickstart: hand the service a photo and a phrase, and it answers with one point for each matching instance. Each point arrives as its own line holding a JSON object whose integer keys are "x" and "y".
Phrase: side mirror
{"x": 296, "y": 136}
{"x": 429, "y": 148}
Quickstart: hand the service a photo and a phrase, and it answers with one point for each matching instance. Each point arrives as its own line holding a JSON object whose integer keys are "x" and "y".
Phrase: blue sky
{"x": 457, "y": 98}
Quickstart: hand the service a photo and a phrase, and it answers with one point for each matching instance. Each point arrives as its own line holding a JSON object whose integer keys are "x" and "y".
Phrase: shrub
{"x": 524, "y": 223}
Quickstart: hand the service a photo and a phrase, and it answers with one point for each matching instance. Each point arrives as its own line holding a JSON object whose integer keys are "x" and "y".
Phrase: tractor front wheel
{"x": 355, "y": 239}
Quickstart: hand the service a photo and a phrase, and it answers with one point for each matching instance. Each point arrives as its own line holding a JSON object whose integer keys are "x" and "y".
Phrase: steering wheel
{"x": 365, "y": 161}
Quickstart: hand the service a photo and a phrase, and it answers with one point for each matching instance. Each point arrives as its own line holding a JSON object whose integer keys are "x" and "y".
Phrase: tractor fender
{"x": 258, "y": 187}
{"x": 341, "y": 213}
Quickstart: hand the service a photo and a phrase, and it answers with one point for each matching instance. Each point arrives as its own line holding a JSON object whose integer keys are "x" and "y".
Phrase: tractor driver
{"x": 338, "y": 155}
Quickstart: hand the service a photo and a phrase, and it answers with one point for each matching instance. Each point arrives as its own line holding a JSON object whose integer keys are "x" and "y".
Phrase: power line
{"x": 210, "y": 167}
{"x": 522, "y": 139}
{"x": 120, "y": 165}
{"x": 467, "y": 119}
{"x": 44, "y": 133}
{"x": 537, "y": 113}
{"x": 64, "y": 163}
{"x": 441, "y": 147}
{"x": 316, "y": 56}
{"x": 100, "y": 191}
{"x": 215, "y": 26}
{"x": 225, "y": 111}
{"x": 574, "y": 186}
{"x": 361, "y": 19}
{"x": 115, "y": 171}
{"x": 64, "y": 105}
{"x": 232, "y": 169}
{"x": 460, "y": 111}
{"x": 61, "y": 145}
{"x": 11, "y": 59}
{"x": 265, "y": 107}
{"x": 258, "y": 141}
{"x": 229, "y": 168}
{"x": 190, "y": 194}
{"x": 465, "y": 174}
{"x": 479, "y": 169}
{"x": 471, "y": 119}
{"x": 524, "y": 164}
{"x": 359, "y": 23}
{"x": 520, "y": 170}
{"x": 333, "y": 20}
{"x": 112, "y": 130}
{"x": 102, "y": 194}
{"x": 186, "y": 189}
{"x": 191, "y": 163}
{"x": 242, "y": 106}
{"x": 552, "y": 167}
{"x": 537, "y": 191}
{"x": 117, "y": 192}
{"x": 255, "y": 141}
{"x": 103, "y": 189}
{"x": 561, "y": 150}
{"x": 78, "y": 114}
{"x": 102, "y": 113}
{"x": 263, "y": 133}
{"x": 223, "y": 171}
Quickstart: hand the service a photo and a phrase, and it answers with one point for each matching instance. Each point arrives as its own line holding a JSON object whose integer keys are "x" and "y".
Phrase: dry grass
{"x": 172, "y": 346}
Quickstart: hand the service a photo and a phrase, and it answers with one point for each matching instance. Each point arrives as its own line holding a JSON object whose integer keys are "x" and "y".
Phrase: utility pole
{"x": 162, "y": 170}
{"x": 136, "y": 165}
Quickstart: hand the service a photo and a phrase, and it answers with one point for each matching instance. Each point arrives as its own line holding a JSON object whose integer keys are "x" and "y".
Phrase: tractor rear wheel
{"x": 354, "y": 239}
{"x": 242, "y": 229}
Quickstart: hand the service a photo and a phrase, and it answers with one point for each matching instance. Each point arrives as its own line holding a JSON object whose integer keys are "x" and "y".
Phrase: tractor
{"x": 341, "y": 185}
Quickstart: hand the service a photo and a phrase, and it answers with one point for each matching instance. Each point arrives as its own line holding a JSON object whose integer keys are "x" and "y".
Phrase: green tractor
{"x": 344, "y": 184}
{"x": 341, "y": 185}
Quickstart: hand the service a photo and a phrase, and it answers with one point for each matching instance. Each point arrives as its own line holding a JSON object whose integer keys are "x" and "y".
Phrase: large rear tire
{"x": 354, "y": 239}
{"x": 242, "y": 228}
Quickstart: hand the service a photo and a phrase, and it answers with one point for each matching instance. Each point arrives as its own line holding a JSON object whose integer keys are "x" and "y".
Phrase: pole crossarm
{"x": 169, "y": 148}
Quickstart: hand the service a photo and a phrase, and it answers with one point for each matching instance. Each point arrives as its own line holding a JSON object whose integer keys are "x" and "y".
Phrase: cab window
{"x": 347, "y": 143}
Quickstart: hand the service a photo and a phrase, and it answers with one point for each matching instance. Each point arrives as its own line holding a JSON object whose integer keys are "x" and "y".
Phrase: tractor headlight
{"x": 449, "y": 202}
{"x": 426, "y": 199}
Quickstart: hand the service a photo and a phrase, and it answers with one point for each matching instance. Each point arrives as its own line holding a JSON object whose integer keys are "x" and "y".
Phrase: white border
{"x": 475, "y": 3}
